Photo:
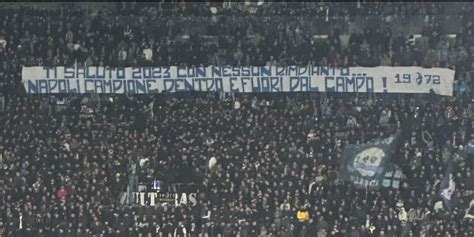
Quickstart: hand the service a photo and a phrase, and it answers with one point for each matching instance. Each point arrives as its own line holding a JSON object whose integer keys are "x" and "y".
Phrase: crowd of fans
{"x": 307, "y": 9}
{"x": 275, "y": 157}
{"x": 63, "y": 173}
{"x": 67, "y": 36}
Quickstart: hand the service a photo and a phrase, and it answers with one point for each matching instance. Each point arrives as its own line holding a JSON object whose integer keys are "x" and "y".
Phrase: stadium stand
{"x": 263, "y": 164}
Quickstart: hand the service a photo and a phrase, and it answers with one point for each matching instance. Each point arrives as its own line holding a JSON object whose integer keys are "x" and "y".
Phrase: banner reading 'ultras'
{"x": 245, "y": 79}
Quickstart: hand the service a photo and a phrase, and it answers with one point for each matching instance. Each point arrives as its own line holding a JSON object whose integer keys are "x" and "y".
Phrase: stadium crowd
{"x": 265, "y": 165}
{"x": 66, "y": 36}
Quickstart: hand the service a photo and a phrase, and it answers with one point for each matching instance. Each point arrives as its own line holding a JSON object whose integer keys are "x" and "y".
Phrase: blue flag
{"x": 368, "y": 165}
{"x": 447, "y": 188}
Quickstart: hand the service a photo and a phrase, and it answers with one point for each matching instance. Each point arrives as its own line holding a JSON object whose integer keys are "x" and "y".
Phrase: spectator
{"x": 62, "y": 193}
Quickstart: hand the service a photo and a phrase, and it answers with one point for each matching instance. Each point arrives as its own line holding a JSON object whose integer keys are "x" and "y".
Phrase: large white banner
{"x": 246, "y": 79}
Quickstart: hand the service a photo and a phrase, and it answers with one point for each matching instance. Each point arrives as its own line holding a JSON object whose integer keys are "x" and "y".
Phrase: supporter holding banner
{"x": 242, "y": 79}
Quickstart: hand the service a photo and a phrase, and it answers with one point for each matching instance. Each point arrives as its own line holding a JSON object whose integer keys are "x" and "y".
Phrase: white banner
{"x": 247, "y": 79}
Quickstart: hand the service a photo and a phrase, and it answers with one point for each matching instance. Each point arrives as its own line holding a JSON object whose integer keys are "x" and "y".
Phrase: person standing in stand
{"x": 180, "y": 230}
{"x": 62, "y": 194}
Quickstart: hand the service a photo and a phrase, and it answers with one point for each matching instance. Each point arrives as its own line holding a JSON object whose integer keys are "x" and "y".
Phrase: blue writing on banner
{"x": 238, "y": 79}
